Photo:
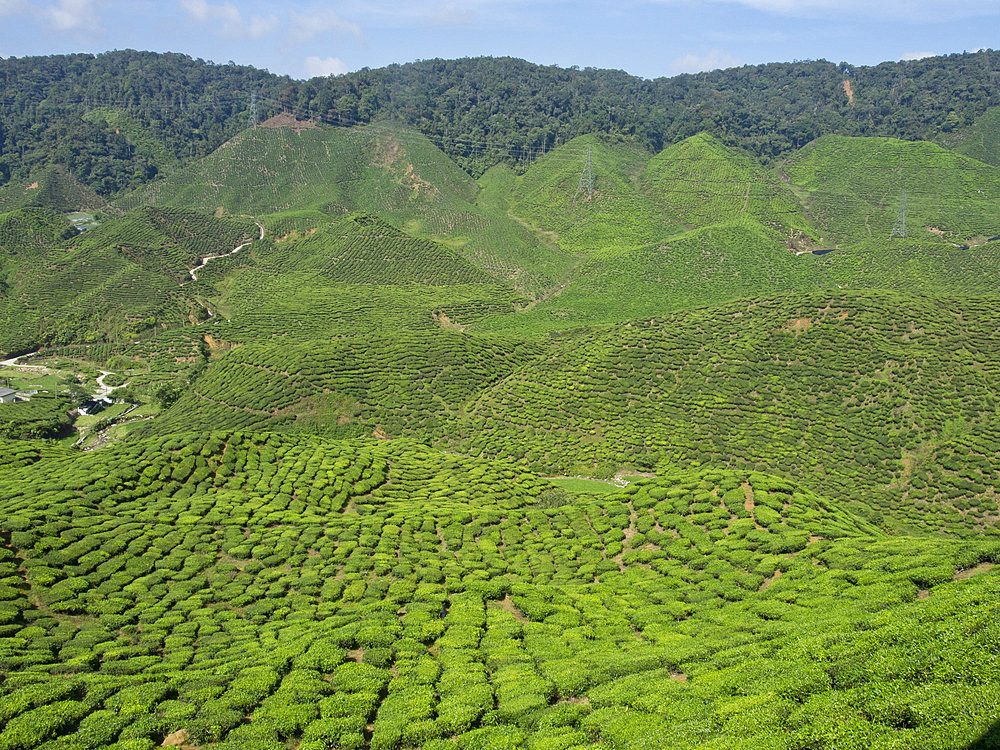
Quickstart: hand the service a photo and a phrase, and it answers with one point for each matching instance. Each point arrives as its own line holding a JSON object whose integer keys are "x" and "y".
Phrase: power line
{"x": 586, "y": 178}
{"x": 252, "y": 114}
{"x": 899, "y": 228}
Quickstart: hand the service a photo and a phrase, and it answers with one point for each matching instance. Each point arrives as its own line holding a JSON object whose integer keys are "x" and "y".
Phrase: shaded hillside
{"x": 854, "y": 189}
{"x": 53, "y": 188}
{"x": 982, "y": 140}
{"x": 109, "y": 283}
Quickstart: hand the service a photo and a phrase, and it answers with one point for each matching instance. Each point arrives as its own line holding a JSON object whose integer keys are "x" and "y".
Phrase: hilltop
{"x": 104, "y": 114}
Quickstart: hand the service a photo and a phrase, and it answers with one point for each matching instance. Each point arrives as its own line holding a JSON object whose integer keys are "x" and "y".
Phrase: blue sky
{"x": 649, "y": 38}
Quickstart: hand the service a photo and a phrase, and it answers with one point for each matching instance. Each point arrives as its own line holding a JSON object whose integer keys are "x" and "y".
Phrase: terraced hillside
{"x": 854, "y": 189}
{"x": 53, "y": 188}
{"x": 385, "y": 171}
{"x": 108, "y": 283}
{"x": 409, "y": 384}
{"x": 981, "y": 141}
{"x": 849, "y": 393}
{"x": 255, "y": 589}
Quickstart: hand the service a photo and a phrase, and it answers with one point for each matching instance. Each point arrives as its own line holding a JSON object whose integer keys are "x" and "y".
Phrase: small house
{"x": 94, "y": 405}
{"x": 7, "y": 395}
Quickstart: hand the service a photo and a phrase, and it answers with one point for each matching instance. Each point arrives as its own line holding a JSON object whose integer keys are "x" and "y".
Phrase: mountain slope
{"x": 386, "y": 171}
{"x": 842, "y": 391}
{"x": 854, "y": 188}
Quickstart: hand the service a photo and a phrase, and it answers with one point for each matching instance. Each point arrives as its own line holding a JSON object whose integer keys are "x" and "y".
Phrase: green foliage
{"x": 188, "y": 582}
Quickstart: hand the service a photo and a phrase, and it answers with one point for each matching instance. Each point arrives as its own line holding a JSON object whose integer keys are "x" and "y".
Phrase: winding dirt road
{"x": 207, "y": 258}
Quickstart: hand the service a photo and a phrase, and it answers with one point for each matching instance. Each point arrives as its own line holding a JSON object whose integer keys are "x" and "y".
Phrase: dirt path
{"x": 207, "y": 258}
{"x": 105, "y": 390}
{"x": 746, "y": 199}
{"x": 12, "y": 362}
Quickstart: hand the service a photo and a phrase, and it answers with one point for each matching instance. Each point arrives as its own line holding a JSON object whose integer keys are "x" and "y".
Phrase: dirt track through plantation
{"x": 204, "y": 261}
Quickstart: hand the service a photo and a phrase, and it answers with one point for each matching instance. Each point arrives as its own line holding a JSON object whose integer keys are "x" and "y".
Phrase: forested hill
{"x": 120, "y": 119}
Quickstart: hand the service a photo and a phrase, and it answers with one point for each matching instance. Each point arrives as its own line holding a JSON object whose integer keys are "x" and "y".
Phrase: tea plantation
{"x": 592, "y": 453}
{"x": 248, "y": 589}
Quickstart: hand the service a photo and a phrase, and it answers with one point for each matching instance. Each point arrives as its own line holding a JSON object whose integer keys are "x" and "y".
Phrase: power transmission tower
{"x": 586, "y": 178}
{"x": 899, "y": 228}
{"x": 252, "y": 116}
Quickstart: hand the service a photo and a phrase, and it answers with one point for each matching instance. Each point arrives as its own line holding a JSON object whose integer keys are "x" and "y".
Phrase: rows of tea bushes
{"x": 44, "y": 416}
{"x": 30, "y": 232}
{"x": 113, "y": 282}
{"x": 854, "y": 187}
{"x": 368, "y": 250}
{"x": 51, "y": 187}
{"x": 170, "y": 241}
{"x": 837, "y": 391}
{"x": 412, "y": 384}
{"x": 260, "y": 590}
{"x": 386, "y": 171}
{"x": 700, "y": 181}
{"x": 722, "y": 261}
{"x": 301, "y": 307}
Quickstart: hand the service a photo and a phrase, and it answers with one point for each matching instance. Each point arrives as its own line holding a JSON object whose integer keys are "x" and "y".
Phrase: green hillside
{"x": 262, "y": 590}
{"x": 52, "y": 187}
{"x": 982, "y": 140}
{"x": 853, "y": 188}
{"x": 410, "y": 384}
{"x": 846, "y": 393}
{"x": 700, "y": 181}
{"x": 30, "y": 232}
{"x": 108, "y": 283}
{"x": 615, "y": 216}
{"x": 386, "y": 171}
{"x": 739, "y": 258}
{"x": 621, "y": 440}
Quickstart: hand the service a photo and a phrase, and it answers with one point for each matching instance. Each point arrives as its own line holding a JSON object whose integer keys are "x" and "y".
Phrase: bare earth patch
{"x": 768, "y": 581}
{"x": 178, "y": 739}
{"x": 32, "y": 186}
{"x": 798, "y": 326}
{"x": 969, "y": 572}
{"x": 507, "y": 605}
{"x": 849, "y": 90}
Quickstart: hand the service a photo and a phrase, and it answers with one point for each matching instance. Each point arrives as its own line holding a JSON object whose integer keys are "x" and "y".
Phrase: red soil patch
{"x": 798, "y": 325}
{"x": 768, "y": 581}
{"x": 178, "y": 739}
{"x": 849, "y": 91}
{"x": 507, "y": 605}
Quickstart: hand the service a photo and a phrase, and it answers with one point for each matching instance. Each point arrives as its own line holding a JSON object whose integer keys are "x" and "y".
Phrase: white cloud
{"x": 306, "y": 26}
{"x": 229, "y": 19}
{"x": 711, "y": 60}
{"x": 10, "y": 7}
{"x": 916, "y": 55}
{"x": 324, "y": 66}
{"x": 72, "y": 15}
{"x": 901, "y": 9}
